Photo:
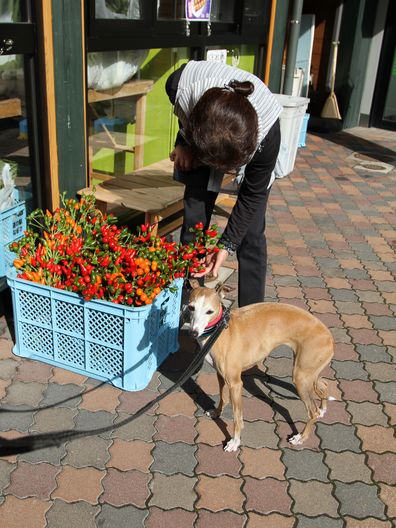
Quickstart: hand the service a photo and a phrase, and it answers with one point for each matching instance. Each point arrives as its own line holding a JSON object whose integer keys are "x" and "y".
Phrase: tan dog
{"x": 252, "y": 333}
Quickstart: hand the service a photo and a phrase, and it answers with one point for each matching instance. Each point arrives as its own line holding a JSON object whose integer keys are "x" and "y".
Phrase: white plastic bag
{"x": 7, "y": 186}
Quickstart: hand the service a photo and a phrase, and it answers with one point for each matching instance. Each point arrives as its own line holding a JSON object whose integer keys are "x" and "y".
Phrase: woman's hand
{"x": 213, "y": 263}
{"x": 182, "y": 158}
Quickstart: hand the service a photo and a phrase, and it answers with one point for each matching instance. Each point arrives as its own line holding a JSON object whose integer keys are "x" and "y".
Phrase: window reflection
{"x": 171, "y": 9}
{"x": 118, "y": 9}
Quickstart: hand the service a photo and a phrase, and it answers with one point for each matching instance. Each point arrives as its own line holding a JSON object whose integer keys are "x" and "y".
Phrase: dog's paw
{"x": 212, "y": 413}
{"x": 296, "y": 439}
{"x": 232, "y": 445}
{"x": 322, "y": 412}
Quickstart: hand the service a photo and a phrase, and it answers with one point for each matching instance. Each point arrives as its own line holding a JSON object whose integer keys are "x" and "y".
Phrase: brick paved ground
{"x": 332, "y": 239}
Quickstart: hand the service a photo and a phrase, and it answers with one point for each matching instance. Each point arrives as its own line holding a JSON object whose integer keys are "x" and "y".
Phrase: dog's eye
{"x": 191, "y": 307}
{"x": 209, "y": 312}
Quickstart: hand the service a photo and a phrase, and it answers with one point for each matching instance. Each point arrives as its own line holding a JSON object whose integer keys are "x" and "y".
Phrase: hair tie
{"x": 228, "y": 88}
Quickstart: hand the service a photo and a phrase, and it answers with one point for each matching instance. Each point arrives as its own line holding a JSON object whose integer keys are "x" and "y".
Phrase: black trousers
{"x": 252, "y": 251}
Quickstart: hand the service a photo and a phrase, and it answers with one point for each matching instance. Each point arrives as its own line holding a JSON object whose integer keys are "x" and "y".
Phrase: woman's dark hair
{"x": 223, "y": 126}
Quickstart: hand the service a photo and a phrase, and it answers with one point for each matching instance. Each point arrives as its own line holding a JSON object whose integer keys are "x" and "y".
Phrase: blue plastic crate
{"x": 120, "y": 344}
{"x": 303, "y": 131}
{"x": 12, "y": 226}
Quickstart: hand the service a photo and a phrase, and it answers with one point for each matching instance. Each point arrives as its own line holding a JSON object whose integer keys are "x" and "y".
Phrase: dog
{"x": 252, "y": 333}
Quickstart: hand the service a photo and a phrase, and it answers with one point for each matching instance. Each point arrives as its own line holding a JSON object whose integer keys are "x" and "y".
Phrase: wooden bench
{"x": 151, "y": 191}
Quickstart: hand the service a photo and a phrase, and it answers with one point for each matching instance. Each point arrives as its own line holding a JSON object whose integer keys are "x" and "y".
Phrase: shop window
{"x": 240, "y": 56}
{"x": 118, "y": 9}
{"x": 130, "y": 119}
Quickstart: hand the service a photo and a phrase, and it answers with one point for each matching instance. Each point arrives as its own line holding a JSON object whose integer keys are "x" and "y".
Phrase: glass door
{"x": 18, "y": 159}
{"x": 383, "y": 112}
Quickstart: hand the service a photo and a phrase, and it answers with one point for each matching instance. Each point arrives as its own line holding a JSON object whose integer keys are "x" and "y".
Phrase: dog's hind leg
{"x": 223, "y": 389}
{"x": 305, "y": 389}
{"x": 235, "y": 388}
{"x": 322, "y": 392}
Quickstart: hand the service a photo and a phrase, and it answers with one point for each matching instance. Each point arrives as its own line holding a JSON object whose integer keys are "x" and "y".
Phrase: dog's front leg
{"x": 223, "y": 390}
{"x": 236, "y": 400}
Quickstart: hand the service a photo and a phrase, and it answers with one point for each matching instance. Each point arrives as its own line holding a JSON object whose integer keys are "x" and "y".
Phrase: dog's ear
{"x": 193, "y": 283}
{"x": 222, "y": 289}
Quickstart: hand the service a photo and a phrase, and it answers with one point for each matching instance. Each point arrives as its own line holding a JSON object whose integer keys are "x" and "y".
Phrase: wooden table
{"x": 140, "y": 89}
{"x": 10, "y": 108}
{"x": 151, "y": 190}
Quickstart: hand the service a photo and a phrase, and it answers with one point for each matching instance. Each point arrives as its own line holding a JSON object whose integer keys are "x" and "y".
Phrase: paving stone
{"x": 76, "y": 484}
{"x": 207, "y": 519}
{"x": 390, "y": 410}
{"x": 130, "y": 402}
{"x": 213, "y": 461}
{"x": 290, "y": 410}
{"x": 273, "y": 520}
{"x": 305, "y": 465}
{"x": 262, "y": 463}
{"x": 140, "y": 429}
{"x": 377, "y": 439}
{"x": 343, "y": 295}
{"x": 34, "y": 371}
{"x": 125, "y": 517}
{"x": 338, "y": 437}
{"x": 91, "y": 451}
{"x": 366, "y": 523}
{"x": 214, "y": 432}
{"x": 381, "y": 371}
{"x": 336, "y": 413}
{"x": 21, "y": 393}
{"x": 174, "y": 458}
{"x": 316, "y": 522}
{"x": 176, "y": 404}
{"x": 285, "y": 430}
{"x": 61, "y": 396}
{"x": 359, "y": 500}
{"x": 92, "y": 421}
{"x": 219, "y": 493}
{"x": 15, "y": 512}
{"x": 266, "y": 496}
{"x": 383, "y": 322}
{"x": 52, "y": 455}
{"x": 383, "y": 467}
{"x": 53, "y": 419}
{"x": 176, "y": 518}
{"x": 313, "y": 498}
{"x": 350, "y": 370}
{"x": 73, "y": 515}
{"x": 64, "y": 377}
{"x": 130, "y": 455}
{"x": 102, "y": 398}
{"x": 367, "y": 413}
{"x": 348, "y": 467}
{"x": 21, "y": 420}
{"x": 8, "y": 368}
{"x": 172, "y": 429}
{"x": 388, "y": 497}
{"x": 5, "y": 471}
{"x": 33, "y": 480}
{"x": 173, "y": 491}
{"x": 373, "y": 353}
{"x": 359, "y": 391}
{"x": 259, "y": 434}
{"x": 124, "y": 488}
{"x": 364, "y": 336}
{"x": 387, "y": 391}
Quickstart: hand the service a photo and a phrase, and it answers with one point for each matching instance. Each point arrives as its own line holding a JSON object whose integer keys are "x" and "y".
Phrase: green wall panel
{"x": 69, "y": 94}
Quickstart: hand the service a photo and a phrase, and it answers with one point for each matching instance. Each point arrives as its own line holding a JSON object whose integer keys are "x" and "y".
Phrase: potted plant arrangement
{"x": 97, "y": 299}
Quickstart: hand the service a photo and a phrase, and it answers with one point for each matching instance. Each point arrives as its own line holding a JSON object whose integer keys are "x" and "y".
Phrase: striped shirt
{"x": 198, "y": 76}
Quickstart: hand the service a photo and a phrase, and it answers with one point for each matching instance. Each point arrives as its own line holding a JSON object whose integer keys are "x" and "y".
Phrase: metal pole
{"x": 295, "y": 24}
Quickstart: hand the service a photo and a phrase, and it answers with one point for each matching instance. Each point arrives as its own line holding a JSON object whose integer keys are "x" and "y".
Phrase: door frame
{"x": 384, "y": 72}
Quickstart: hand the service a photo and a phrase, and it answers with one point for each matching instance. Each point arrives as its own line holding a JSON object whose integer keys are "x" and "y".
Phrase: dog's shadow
{"x": 173, "y": 367}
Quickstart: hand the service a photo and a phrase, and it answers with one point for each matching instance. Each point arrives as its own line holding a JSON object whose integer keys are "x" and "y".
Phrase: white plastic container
{"x": 291, "y": 121}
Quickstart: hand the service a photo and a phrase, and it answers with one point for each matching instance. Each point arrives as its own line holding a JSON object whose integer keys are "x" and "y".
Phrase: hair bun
{"x": 244, "y": 88}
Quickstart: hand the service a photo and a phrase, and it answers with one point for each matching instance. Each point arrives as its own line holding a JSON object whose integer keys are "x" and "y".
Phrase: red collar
{"x": 214, "y": 321}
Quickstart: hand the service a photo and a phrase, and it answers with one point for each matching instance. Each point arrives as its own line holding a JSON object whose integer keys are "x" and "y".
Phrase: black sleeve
{"x": 254, "y": 188}
{"x": 172, "y": 83}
